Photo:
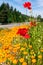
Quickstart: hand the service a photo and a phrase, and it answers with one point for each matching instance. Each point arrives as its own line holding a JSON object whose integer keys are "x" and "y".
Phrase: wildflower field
{"x": 22, "y": 45}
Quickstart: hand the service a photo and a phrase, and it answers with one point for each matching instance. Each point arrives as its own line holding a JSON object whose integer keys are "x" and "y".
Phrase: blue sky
{"x": 37, "y": 6}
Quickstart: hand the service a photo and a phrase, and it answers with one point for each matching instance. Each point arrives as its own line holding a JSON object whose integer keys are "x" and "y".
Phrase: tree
{"x": 9, "y": 15}
{"x": 39, "y": 18}
{"x": 4, "y": 13}
{"x": 14, "y": 15}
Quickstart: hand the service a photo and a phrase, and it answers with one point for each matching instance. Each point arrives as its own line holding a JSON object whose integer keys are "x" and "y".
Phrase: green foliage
{"x": 37, "y": 37}
{"x": 10, "y": 15}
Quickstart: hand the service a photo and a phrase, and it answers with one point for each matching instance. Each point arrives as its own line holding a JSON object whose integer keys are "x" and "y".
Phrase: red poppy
{"x": 27, "y": 5}
{"x": 32, "y": 24}
{"x": 29, "y": 8}
{"x": 27, "y": 36}
{"x": 22, "y": 31}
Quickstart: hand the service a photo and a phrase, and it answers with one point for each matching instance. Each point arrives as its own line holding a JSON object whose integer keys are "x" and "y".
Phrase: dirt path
{"x": 12, "y": 25}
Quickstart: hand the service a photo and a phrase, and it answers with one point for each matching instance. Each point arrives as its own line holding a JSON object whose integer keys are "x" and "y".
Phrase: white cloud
{"x": 37, "y": 12}
{"x": 38, "y": 8}
{"x": 40, "y": 2}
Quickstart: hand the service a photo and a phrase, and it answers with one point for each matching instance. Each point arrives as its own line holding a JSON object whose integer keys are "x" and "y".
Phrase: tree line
{"x": 10, "y": 15}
